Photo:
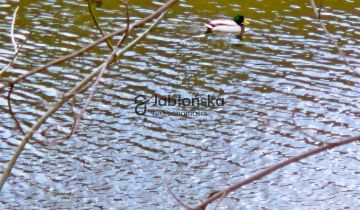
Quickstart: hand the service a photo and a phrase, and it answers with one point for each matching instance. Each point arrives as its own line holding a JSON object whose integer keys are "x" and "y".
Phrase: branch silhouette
{"x": 274, "y": 168}
{"x": 88, "y": 47}
{"x": 115, "y": 54}
{"x": 92, "y": 13}
{"x": 103, "y": 68}
{"x": 331, "y": 38}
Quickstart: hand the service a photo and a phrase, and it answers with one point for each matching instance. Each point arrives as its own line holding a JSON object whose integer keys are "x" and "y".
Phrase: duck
{"x": 235, "y": 25}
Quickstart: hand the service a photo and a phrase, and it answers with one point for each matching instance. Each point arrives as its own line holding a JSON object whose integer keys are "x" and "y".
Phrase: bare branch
{"x": 5, "y": 80}
{"x": 12, "y": 61}
{"x": 299, "y": 129}
{"x": 178, "y": 200}
{"x": 76, "y": 89}
{"x": 91, "y": 10}
{"x": 137, "y": 24}
{"x": 72, "y": 109}
{"x": 48, "y": 190}
{"x": 320, "y": 8}
{"x": 102, "y": 67}
{"x": 331, "y": 38}
{"x": 275, "y": 167}
{"x": 16, "y": 46}
{"x": 17, "y": 49}
{"x": 4, "y": 59}
{"x": 18, "y": 125}
{"x": 220, "y": 200}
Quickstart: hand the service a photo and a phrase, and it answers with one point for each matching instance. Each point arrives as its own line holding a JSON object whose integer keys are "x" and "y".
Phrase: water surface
{"x": 282, "y": 72}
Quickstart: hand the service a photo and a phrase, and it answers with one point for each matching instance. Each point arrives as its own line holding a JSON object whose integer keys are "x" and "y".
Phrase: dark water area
{"x": 281, "y": 80}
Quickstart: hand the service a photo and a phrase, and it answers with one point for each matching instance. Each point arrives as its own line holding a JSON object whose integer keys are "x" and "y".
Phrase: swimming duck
{"x": 236, "y": 25}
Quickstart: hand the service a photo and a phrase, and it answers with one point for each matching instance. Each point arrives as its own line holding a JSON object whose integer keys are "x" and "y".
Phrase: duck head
{"x": 240, "y": 20}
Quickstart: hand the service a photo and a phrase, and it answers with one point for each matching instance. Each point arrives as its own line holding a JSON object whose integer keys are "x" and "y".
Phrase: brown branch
{"x": 220, "y": 200}
{"x": 4, "y": 59}
{"x": 103, "y": 68}
{"x": 88, "y": 47}
{"x": 47, "y": 129}
{"x": 333, "y": 40}
{"x": 320, "y": 8}
{"x": 17, "y": 47}
{"x": 299, "y": 129}
{"x": 91, "y": 11}
{"x": 14, "y": 57}
{"x": 274, "y": 168}
{"x": 72, "y": 109}
{"x": 12, "y": 114}
{"x": 5, "y": 80}
{"x": 48, "y": 190}
{"x": 178, "y": 200}
{"x": 7, "y": 171}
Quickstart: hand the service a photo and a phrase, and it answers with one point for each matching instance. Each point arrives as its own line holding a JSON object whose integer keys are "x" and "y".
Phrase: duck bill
{"x": 246, "y": 23}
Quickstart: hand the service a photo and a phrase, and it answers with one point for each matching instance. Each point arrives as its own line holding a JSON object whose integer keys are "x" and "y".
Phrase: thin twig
{"x": 299, "y": 129}
{"x": 16, "y": 46}
{"x": 4, "y": 59}
{"x": 91, "y": 10}
{"x": 12, "y": 61}
{"x": 48, "y": 190}
{"x": 320, "y": 8}
{"x": 331, "y": 38}
{"x": 72, "y": 109}
{"x": 88, "y": 47}
{"x": 17, "y": 51}
{"x": 103, "y": 68}
{"x": 5, "y": 80}
{"x": 118, "y": 54}
{"x": 276, "y": 167}
{"x": 224, "y": 194}
{"x": 48, "y": 128}
{"x": 178, "y": 200}
{"x": 70, "y": 94}
{"x": 13, "y": 41}
{"x": 12, "y": 114}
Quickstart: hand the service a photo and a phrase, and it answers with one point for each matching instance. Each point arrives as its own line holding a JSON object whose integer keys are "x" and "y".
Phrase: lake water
{"x": 281, "y": 80}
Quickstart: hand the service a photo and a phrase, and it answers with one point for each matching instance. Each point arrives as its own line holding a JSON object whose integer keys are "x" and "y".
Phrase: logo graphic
{"x": 141, "y": 102}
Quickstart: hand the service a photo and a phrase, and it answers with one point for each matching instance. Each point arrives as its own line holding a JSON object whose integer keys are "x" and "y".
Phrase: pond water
{"x": 281, "y": 80}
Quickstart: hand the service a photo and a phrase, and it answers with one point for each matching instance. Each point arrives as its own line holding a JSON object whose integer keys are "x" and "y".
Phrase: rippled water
{"x": 283, "y": 70}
